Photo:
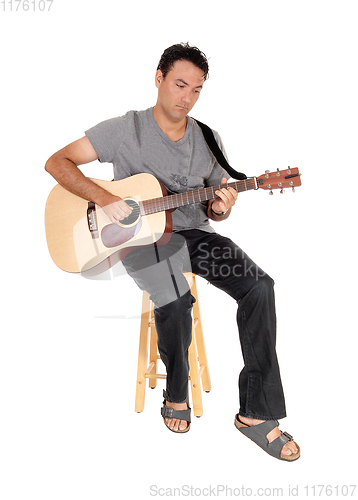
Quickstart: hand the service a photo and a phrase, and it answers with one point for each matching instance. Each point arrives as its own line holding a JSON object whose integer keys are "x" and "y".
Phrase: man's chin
{"x": 179, "y": 114}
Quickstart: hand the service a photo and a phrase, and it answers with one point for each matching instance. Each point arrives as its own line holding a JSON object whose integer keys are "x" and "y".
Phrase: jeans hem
{"x": 177, "y": 402}
{"x": 262, "y": 417}
{"x": 170, "y": 400}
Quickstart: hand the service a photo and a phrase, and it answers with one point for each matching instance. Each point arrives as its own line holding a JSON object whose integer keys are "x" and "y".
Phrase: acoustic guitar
{"x": 82, "y": 239}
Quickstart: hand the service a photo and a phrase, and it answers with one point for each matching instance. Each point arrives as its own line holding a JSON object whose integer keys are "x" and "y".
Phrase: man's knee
{"x": 175, "y": 306}
{"x": 264, "y": 283}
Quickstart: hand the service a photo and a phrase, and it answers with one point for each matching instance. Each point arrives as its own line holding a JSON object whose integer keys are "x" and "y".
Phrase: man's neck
{"x": 174, "y": 130}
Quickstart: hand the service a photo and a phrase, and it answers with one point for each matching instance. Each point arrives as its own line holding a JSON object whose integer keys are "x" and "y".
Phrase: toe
{"x": 170, "y": 422}
{"x": 183, "y": 425}
{"x": 294, "y": 447}
{"x": 286, "y": 450}
{"x": 289, "y": 449}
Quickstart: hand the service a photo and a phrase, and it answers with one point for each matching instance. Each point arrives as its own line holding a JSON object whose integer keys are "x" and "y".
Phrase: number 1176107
{"x": 26, "y": 5}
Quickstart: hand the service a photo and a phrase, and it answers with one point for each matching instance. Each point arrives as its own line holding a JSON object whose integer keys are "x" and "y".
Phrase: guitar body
{"x": 81, "y": 238}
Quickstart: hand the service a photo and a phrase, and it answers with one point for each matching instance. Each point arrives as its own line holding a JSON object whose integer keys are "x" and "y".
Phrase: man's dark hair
{"x": 183, "y": 51}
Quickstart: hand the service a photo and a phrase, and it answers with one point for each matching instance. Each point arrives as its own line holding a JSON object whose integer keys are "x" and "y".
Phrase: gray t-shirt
{"x": 135, "y": 143}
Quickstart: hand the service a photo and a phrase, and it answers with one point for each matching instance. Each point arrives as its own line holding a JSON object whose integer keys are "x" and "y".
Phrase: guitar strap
{"x": 215, "y": 149}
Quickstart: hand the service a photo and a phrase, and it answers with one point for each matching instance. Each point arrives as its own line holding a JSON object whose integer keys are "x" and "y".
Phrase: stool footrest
{"x": 155, "y": 375}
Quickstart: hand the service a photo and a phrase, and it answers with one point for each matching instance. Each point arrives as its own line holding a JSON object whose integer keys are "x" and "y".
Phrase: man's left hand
{"x": 226, "y": 198}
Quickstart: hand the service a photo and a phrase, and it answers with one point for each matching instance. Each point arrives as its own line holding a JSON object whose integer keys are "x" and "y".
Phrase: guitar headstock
{"x": 282, "y": 179}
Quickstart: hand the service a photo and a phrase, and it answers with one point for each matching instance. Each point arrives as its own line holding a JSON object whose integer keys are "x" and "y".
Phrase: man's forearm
{"x": 69, "y": 176}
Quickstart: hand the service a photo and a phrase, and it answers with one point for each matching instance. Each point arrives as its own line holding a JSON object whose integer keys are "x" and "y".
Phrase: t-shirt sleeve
{"x": 105, "y": 138}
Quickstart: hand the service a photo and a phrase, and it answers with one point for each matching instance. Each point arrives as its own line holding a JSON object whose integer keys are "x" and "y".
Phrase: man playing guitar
{"x": 167, "y": 143}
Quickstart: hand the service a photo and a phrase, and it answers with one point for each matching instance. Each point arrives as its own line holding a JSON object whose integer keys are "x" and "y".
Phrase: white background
{"x": 282, "y": 91}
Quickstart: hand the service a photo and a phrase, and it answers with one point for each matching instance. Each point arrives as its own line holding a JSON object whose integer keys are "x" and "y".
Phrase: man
{"x": 166, "y": 142}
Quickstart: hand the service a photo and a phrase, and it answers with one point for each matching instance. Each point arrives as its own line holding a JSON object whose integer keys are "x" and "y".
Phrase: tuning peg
{"x": 293, "y": 190}
{"x": 271, "y": 193}
{"x": 282, "y": 191}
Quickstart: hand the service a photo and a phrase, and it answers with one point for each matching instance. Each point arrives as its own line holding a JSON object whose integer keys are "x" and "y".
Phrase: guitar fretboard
{"x": 189, "y": 197}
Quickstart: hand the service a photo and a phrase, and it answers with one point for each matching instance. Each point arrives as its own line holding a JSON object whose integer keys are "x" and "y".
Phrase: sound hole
{"x": 131, "y": 219}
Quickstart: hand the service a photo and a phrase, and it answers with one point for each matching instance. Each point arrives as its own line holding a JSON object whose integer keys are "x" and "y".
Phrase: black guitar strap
{"x": 215, "y": 149}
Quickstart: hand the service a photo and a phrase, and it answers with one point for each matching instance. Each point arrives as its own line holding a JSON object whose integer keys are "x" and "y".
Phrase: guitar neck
{"x": 195, "y": 196}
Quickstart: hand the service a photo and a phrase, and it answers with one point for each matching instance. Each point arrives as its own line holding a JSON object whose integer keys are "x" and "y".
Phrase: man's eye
{"x": 180, "y": 86}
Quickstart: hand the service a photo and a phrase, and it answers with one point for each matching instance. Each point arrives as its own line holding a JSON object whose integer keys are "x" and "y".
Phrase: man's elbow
{"x": 54, "y": 162}
{"x": 49, "y": 165}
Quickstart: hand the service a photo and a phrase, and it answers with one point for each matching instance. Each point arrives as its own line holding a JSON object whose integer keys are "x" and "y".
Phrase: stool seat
{"x": 148, "y": 355}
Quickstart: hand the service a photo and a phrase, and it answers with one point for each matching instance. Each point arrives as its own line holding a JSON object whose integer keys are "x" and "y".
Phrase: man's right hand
{"x": 117, "y": 209}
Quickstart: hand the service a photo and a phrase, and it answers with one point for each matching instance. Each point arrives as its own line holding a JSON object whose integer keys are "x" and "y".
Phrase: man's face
{"x": 179, "y": 90}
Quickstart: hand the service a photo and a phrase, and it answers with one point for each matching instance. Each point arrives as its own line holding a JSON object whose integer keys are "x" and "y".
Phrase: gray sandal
{"x": 170, "y": 413}
{"x": 258, "y": 433}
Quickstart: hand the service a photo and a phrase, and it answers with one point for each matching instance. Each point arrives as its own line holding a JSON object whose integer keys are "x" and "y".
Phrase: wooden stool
{"x": 148, "y": 354}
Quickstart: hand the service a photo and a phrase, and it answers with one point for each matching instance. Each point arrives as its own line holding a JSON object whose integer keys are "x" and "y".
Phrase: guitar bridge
{"x": 92, "y": 220}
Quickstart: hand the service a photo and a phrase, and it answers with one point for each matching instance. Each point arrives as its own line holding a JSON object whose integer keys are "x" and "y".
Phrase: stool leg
{"x": 195, "y": 377}
{"x": 142, "y": 354}
{"x": 205, "y": 376}
{"x": 153, "y": 351}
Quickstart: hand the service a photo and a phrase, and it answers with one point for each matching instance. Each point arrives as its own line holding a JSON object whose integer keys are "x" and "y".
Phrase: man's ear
{"x": 158, "y": 78}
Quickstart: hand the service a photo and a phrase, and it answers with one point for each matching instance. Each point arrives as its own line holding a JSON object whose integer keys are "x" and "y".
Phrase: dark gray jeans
{"x": 158, "y": 270}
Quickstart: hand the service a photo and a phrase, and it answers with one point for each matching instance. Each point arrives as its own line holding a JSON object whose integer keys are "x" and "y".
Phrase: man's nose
{"x": 187, "y": 97}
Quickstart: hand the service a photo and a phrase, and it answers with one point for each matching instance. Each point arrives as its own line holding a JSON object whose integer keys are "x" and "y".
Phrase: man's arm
{"x": 63, "y": 166}
{"x": 219, "y": 208}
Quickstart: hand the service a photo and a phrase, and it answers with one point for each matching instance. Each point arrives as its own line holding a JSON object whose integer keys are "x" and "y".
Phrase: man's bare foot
{"x": 173, "y": 423}
{"x": 289, "y": 448}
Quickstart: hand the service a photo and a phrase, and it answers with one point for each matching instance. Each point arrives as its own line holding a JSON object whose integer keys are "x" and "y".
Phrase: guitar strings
{"x": 195, "y": 196}
{"x": 147, "y": 207}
